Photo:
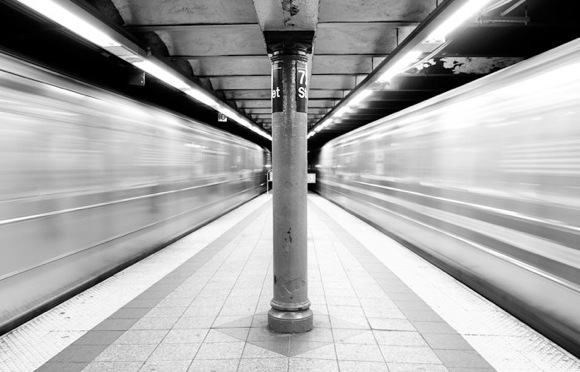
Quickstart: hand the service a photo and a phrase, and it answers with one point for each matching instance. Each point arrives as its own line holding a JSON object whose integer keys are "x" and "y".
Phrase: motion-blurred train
{"x": 90, "y": 181}
{"x": 483, "y": 180}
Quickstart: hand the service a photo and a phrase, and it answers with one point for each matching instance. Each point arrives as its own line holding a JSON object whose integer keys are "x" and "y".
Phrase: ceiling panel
{"x": 345, "y": 64}
{"x": 370, "y": 11}
{"x": 248, "y": 94}
{"x": 254, "y": 104}
{"x": 358, "y": 38}
{"x": 215, "y": 40}
{"x": 186, "y": 11}
{"x": 230, "y": 82}
{"x": 231, "y": 65}
{"x": 332, "y": 82}
{"x": 325, "y": 94}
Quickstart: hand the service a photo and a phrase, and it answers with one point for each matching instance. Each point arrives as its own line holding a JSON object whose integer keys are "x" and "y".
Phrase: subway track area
{"x": 201, "y": 305}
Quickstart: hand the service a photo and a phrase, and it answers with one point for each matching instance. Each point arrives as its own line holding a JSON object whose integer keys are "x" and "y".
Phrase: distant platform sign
{"x": 222, "y": 117}
{"x": 311, "y": 177}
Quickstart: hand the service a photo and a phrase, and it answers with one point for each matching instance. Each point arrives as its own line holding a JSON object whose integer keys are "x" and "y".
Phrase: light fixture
{"x": 202, "y": 97}
{"x": 360, "y": 97}
{"x": 162, "y": 74}
{"x": 341, "y": 112}
{"x": 73, "y": 22}
{"x": 400, "y": 66}
{"x": 455, "y": 20}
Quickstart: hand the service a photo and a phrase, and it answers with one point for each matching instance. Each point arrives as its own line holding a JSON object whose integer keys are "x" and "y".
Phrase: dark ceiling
{"x": 219, "y": 44}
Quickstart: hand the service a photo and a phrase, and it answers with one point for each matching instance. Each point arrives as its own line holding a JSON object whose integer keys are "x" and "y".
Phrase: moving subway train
{"x": 91, "y": 181}
{"x": 485, "y": 181}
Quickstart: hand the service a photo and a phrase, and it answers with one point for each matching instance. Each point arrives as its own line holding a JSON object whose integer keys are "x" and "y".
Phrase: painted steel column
{"x": 290, "y": 311}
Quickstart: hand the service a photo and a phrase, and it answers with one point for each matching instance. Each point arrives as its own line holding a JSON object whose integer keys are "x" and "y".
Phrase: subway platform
{"x": 201, "y": 305}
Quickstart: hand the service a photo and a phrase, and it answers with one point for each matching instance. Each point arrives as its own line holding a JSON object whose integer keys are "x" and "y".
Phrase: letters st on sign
{"x": 277, "y": 88}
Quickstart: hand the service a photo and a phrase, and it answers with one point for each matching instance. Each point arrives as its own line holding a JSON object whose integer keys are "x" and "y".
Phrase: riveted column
{"x": 290, "y": 311}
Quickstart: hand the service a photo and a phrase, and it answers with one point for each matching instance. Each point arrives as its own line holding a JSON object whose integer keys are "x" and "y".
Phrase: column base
{"x": 290, "y": 321}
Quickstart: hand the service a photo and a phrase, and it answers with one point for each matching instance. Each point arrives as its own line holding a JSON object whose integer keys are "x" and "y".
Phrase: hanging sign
{"x": 301, "y": 86}
{"x": 277, "y": 88}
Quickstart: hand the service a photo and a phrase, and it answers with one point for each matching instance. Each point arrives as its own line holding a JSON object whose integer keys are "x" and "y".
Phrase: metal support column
{"x": 290, "y": 311}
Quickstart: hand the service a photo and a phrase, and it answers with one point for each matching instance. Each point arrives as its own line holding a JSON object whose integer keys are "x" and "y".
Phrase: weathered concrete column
{"x": 290, "y": 311}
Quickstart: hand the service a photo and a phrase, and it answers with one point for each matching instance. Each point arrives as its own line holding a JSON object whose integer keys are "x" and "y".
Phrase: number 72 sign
{"x": 301, "y": 86}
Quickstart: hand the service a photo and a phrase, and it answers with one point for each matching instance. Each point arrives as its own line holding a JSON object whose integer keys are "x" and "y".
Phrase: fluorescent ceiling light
{"x": 162, "y": 74}
{"x": 341, "y": 112}
{"x": 203, "y": 97}
{"x": 455, "y": 20}
{"x": 71, "y": 21}
{"x": 401, "y": 65}
{"x": 360, "y": 97}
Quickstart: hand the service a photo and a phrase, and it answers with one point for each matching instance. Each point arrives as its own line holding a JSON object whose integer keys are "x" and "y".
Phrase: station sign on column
{"x": 277, "y": 88}
{"x": 301, "y": 86}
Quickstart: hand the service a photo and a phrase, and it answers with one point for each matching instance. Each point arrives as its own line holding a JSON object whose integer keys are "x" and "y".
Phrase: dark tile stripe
{"x": 453, "y": 350}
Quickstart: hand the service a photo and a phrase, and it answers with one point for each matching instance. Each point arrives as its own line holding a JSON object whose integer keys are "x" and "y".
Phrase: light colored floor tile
{"x": 405, "y": 367}
{"x": 354, "y": 336}
{"x": 193, "y": 322}
{"x": 216, "y": 365}
{"x": 351, "y": 323}
{"x": 263, "y": 365}
{"x": 165, "y": 366}
{"x": 240, "y": 311}
{"x": 352, "y": 366}
{"x": 310, "y": 365}
{"x": 185, "y": 336}
{"x": 324, "y": 352}
{"x": 359, "y": 352}
{"x": 346, "y": 311}
{"x": 203, "y": 310}
{"x": 126, "y": 353}
{"x": 221, "y": 350}
{"x": 169, "y": 352}
{"x": 400, "y": 338}
{"x": 409, "y": 354}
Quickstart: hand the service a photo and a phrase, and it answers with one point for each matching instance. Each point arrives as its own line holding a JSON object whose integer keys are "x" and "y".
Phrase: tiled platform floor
{"x": 377, "y": 308}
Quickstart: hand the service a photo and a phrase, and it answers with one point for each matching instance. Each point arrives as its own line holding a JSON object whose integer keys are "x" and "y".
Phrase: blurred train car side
{"x": 484, "y": 180}
{"x": 91, "y": 181}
